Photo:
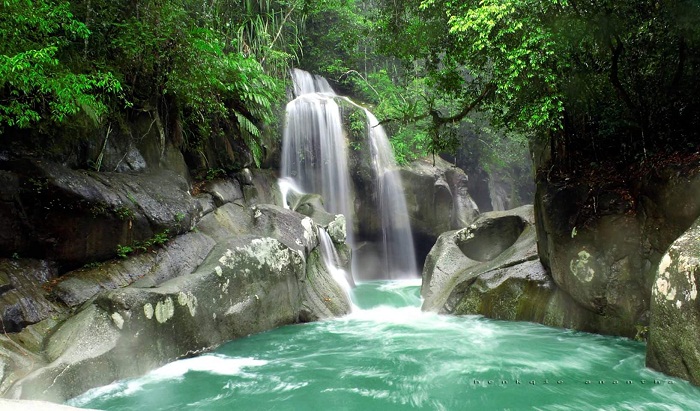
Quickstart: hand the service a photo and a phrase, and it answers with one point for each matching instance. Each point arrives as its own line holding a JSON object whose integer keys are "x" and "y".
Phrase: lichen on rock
{"x": 581, "y": 267}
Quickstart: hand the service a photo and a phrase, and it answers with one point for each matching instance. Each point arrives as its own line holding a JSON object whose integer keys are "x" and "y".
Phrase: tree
{"x": 38, "y": 87}
{"x": 596, "y": 77}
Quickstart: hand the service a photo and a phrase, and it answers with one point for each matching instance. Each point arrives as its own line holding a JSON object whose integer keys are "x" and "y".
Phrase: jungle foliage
{"x": 211, "y": 66}
{"x": 601, "y": 79}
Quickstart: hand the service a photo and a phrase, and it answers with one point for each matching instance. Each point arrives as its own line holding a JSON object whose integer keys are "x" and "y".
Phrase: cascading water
{"x": 397, "y": 240}
{"x": 314, "y": 159}
{"x": 332, "y": 262}
{"x": 313, "y": 151}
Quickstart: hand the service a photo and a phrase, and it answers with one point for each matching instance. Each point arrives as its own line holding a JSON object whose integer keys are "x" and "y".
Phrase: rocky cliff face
{"x": 615, "y": 259}
{"x": 622, "y": 246}
{"x": 603, "y": 247}
{"x": 438, "y": 200}
{"x": 200, "y": 270}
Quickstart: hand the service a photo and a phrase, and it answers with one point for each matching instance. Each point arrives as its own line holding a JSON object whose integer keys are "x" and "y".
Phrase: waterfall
{"x": 313, "y": 145}
{"x": 315, "y": 160}
{"x": 397, "y": 239}
{"x": 331, "y": 261}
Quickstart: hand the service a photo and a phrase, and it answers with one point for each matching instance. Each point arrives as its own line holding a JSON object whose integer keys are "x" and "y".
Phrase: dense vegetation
{"x": 600, "y": 81}
{"x": 209, "y": 67}
{"x": 603, "y": 81}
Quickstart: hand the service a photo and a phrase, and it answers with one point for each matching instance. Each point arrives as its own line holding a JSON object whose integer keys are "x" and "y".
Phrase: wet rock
{"x": 23, "y": 288}
{"x": 495, "y": 240}
{"x": 291, "y": 228}
{"x": 224, "y": 191}
{"x": 675, "y": 310}
{"x": 227, "y": 221}
{"x": 16, "y": 362}
{"x": 337, "y": 229}
{"x": 78, "y": 217}
{"x": 246, "y": 285}
{"x": 437, "y": 200}
{"x": 322, "y": 297}
{"x": 310, "y": 205}
{"x": 178, "y": 257}
{"x": 492, "y": 268}
{"x": 200, "y": 290}
{"x": 260, "y": 187}
{"x": 606, "y": 260}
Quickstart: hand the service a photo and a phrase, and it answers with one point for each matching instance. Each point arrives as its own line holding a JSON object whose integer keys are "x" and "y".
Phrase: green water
{"x": 388, "y": 355}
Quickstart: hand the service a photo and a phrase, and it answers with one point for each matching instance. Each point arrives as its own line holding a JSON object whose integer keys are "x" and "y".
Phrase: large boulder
{"x": 243, "y": 269}
{"x": 247, "y": 284}
{"x": 492, "y": 268}
{"x": 674, "y": 332}
{"x": 180, "y": 256}
{"x": 602, "y": 244}
{"x": 437, "y": 197}
{"x": 22, "y": 299}
{"x": 495, "y": 240}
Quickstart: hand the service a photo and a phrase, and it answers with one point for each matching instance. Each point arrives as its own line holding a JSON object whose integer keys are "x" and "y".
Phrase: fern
{"x": 250, "y": 134}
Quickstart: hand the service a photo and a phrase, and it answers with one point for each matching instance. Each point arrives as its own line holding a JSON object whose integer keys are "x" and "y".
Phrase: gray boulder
{"x": 602, "y": 246}
{"x": 223, "y": 191}
{"x": 246, "y": 285}
{"x": 22, "y": 299}
{"x": 494, "y": 240}
{"x": 178, "y": 257}
{"x": 492, "y": 268}
{"x": 75, "y": 217}
{"x": 244, "y": 269}
{"x": 675, "y": 310}
{"x": 437, "y": 200}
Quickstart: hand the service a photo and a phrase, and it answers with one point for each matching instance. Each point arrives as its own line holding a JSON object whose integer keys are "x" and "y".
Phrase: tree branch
{"x": 279, "y": 32}
{"x": 438, "y": 120}
{"x": 615, "y": 79}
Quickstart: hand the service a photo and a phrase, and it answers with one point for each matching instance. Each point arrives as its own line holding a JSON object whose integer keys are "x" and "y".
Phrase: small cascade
{"x": 315, "y": 160}
{"x": 397, "y": 239}
{"x": 307, "y": 83}
{"x": 332, "y": 262}
{"x": 287, "y": 186}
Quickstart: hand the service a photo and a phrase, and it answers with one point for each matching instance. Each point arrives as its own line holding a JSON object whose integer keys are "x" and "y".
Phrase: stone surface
{"x": 223, "y": 191}
{"x": 23, "y": 284}
{"x": 310, "y": 205}
{"x": 448, "y": 265}
{"x": 674, "y": 332}
{"x": 178, "y": 257}
{"x": 78, "y": 217}
{"x": 437, "y": 200}
{"x": 491, "y": 268}
{"x": 602, "y": 247}
{"x": 322, "y": 297}
{"x": 294, "y": 230}
{"x": 247, "y": 284}
{"x": 260, "y": 187}
{"x": 245, "y": 269}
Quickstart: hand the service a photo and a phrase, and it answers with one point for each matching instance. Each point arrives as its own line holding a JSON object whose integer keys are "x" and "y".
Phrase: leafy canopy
{"x": 36, "y": 87}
